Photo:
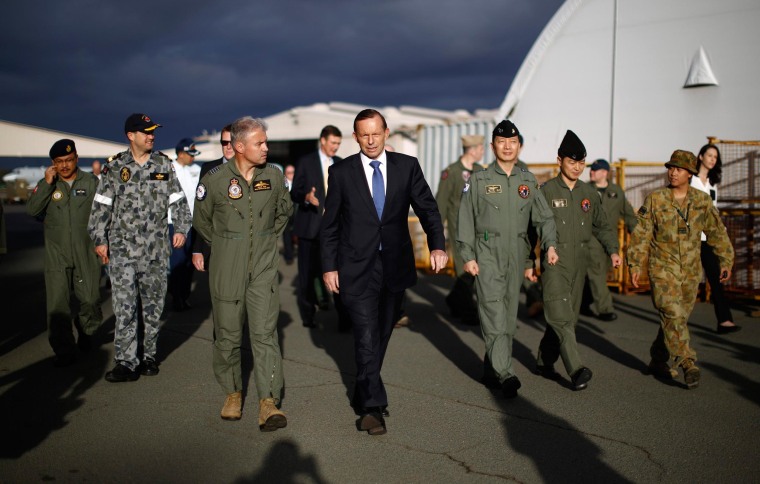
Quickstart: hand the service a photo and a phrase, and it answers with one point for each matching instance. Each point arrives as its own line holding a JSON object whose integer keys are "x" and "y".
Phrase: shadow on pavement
{"x": 284, "y": 463}
{"x": 41, "y": 396}
{"x": 560, "y": 452}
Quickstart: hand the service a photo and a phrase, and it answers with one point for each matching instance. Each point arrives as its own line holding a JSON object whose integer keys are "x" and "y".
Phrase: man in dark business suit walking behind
{"x": 367, "y": 251}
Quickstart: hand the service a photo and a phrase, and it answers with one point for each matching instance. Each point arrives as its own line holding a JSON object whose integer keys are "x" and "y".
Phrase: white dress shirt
{"x": 369, "y": 171}
{"x": 696, "y": 182}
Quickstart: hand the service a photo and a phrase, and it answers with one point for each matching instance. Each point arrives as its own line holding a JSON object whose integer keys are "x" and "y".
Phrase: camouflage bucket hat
{"x": 683, "y": 159}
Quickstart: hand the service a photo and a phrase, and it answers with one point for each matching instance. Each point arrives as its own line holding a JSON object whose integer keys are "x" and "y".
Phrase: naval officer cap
{"x": 572, "y": 147}
{"x": 506, "y": 129}
{"x": 140, "y": 122}
{"x": 470, "y": 140}
{"x": 683, "y": 159}
{"x": 62, "y": 147}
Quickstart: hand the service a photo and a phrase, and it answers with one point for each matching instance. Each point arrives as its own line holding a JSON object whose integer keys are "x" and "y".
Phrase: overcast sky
{"x": 83, "y": 66}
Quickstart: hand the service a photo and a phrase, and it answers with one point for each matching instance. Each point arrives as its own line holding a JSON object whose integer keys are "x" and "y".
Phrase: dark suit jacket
{"x": 308, "y": 218}
{"x": 352, "y": 232}
{"x": 199, "y": 245}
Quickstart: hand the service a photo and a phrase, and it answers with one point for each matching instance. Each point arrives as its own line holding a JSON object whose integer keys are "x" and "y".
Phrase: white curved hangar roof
{"x": 683, "y": 70}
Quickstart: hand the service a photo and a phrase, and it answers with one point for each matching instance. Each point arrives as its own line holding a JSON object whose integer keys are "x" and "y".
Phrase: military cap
{"x": 188, "y": 146}
{"x": 506, "y": 129}
{"x": 470, "y": 140}
{"x": 572, "y": 147}
{"x": 139, "y": 122}
{"x": 600, "y": 164}
{"x": 62, "y": 147}
{"x": 683, "y": 159}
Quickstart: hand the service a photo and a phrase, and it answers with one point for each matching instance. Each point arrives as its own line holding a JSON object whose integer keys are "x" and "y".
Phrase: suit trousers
{"x": 309, "y": 276}
{"x": 373, "y": 315}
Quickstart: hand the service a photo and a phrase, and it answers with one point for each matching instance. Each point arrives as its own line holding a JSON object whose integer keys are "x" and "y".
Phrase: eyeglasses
{"x": 225, "y": 142}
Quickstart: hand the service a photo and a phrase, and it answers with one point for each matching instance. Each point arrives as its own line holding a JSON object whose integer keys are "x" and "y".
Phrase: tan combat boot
{"x": 233, "y": 405}
{"x": 270, "y": 417}
{"x": 690, "y": 373}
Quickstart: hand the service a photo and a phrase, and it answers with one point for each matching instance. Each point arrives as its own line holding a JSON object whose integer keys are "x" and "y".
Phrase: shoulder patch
{"x": 444, "y": 174}
{"x": 642, "y": 210}
{"x": 200, "y": 192}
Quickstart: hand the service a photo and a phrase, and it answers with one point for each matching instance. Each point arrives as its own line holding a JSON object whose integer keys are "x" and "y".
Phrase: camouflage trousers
{"x": 261, "y": 307}
{"x": 59, "y": 284}
{"x": 135, "y": 284}
{"x": 673, "y": 296}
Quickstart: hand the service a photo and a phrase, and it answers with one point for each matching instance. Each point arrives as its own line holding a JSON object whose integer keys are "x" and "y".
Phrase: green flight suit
{"x": 494, "y": 215}
{"x": 579, "y": 217}
{"x": 70, "y": 260}
{"x": 669, "y": 236}
{"x": 241, "y": 222}
{"x": 616, "y": 207}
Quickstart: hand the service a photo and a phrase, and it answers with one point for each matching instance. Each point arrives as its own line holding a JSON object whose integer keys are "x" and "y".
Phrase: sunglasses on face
{"x": 225, "y": 142}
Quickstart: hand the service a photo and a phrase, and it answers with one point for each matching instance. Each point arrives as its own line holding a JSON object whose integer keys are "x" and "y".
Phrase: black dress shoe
{"x": 384, "y": 411}
{"x": 309, "y": 324}
{"x": 149, "y": 367}
{"x": 548, "y": 372}
{"x": 510, "y": 386}
{"x": 121, "y": 373}
{"x": 373, "y": 423}
{"x": 581, "y": 378}
{"x": 62, "y": 361}
{"x": 728, "y": 329}
{"x": 587, "y": 312}
{"x": 607, "y": 316}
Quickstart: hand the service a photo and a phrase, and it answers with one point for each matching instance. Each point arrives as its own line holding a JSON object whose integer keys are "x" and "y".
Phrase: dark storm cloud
{"x": 83, "y": 66}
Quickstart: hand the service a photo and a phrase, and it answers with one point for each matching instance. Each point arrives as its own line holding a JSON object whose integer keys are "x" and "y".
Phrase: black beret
{"x": 505, "y": 129}
{"x": 572, "y": 147}
{"x": 62, "y": 147}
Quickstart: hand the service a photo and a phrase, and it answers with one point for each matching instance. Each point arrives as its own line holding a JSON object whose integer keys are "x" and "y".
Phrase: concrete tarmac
{"x": 70, "y": 425}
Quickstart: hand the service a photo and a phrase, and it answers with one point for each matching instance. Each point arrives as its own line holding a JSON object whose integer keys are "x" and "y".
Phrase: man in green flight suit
{"x": 497, "y": 205}
{"x": 597, "y": 300}
{"x": 579, "y": 217}
{"x": 671, "y": 222}
{"x": 449, "y": 196}
{"x": 241, "y": 209}
{"x": 63, "y": 200}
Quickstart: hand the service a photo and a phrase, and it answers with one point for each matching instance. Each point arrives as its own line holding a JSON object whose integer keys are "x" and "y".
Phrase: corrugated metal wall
{"x": 439, "y": 146}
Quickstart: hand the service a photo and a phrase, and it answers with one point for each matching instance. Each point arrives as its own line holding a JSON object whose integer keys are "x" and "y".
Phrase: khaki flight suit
{"x": 70, "y": 259}
{"x": 493, "y": 224}
{"x": 579, "y": 217}
{"x": 242, "y": 221}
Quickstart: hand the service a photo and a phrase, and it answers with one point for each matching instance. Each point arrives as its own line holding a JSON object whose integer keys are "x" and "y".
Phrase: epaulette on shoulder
{"x": 115, "y": 157}
{"x": 542, "y": 185}
{"x": 214, "y": 169}
{"x": 163, "y": 155}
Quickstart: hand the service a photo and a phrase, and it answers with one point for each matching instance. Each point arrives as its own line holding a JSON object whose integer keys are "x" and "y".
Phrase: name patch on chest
{"x": 493, "y": 189}
{"x": 159, "y": 176}
{"x": 80, "y": 192}
{"x": 559, "y": 203}
{"x": 262, "y": 185}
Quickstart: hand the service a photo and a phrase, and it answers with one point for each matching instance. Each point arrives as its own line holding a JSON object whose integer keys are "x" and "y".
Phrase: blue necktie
{"x": 378, "y": 190}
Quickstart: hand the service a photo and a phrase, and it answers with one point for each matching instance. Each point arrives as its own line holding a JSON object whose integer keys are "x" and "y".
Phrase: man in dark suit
{"x": 201, "y": 250}
{"x": 308, "y": 194}
{"x": 367, "y": 251}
